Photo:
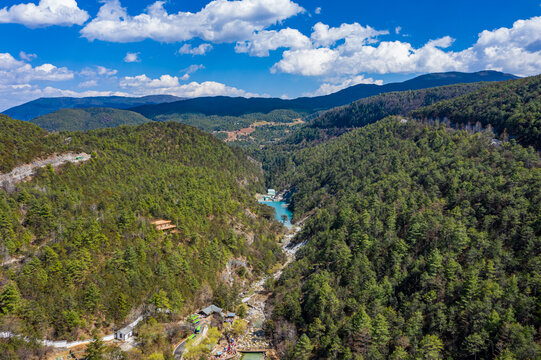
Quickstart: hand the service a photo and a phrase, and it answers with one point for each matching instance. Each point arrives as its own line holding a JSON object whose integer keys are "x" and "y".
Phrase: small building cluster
{"x": 271, "y": 194}
{"x": 165, "y": 225}
{"x": 213, "y": 309}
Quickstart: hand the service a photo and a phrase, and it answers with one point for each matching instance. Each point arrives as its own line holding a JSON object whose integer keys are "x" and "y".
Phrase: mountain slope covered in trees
{"x": 22, "y": 142}
{"x": 512, "y": 106}
{"x": 424, "y": 242}
{"x": 88, "y": 119}
{"x": 89, "y": 257}
{"x": 366, "y": 111}
{"x": 237, "y": 106}
{"x": 334, "y": 122}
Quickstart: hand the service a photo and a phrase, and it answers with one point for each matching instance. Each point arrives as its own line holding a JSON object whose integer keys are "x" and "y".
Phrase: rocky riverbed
{"x": 256, "y": 298}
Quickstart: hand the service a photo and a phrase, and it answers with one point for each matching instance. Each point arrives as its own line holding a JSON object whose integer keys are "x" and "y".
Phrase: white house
{"x": 124, "y": 334}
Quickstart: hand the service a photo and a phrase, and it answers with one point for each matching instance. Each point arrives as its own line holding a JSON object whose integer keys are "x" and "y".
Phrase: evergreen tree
{"x": 95, "y": 349}
{"x": 303, "y": 349}
{"x": 10, "y": 299}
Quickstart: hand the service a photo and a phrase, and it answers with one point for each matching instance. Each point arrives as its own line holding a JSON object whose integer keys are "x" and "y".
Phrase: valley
{"x": 412, "y": 230}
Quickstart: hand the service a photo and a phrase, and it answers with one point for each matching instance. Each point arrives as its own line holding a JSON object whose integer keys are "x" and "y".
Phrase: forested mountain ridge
{"x": 511, "y": 106}
{"x": 87, "y": 119}
{"x": 90, "y": 255}
{"x": 366, "y": 111}
{"x": 43, "y": 106}
{"x": 237, "y": 106}
{"x": 336, "y": 121}
{"x": 21, "y": 142}
{"x": 424, "y": 243}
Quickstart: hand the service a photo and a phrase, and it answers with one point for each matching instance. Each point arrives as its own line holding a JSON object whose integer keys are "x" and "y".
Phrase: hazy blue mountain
{"x": 43, "y": 106}
{"x": 236, "y": 106}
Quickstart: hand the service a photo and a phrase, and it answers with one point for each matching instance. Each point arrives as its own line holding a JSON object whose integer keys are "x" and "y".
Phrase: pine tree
{"x": 303, "y": 349}
{"x": 9, "y": 299}
{"x": 380, "y": 330}
{"x": 95, "y": 349}
{"x": 431, "y": 348}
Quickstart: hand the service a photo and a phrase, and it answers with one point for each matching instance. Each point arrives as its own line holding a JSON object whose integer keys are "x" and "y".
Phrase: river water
{"x": 281, "y": 209}
{"x": 253, "y": 356}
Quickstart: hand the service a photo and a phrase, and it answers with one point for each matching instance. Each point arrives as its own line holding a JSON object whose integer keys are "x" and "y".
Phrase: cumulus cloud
{"x": 339, "y": 84}
{"x": 13, "y": 71}
{"x": 27, "y": 57}
{"x": 323, "y": 35}
{"x": 307, "y": 62}
{"x": 317, "y": 10}
{"x": 516, "y": 50}
{"x": 46, "y": 13}
{"x": 167, "y": 84}
{"x": 199, "y": 50}
{"x": 21, "y": 82}
{"x": 263, "y": 41}
{"x": 218, "y": 21}
{"x": 132, "y": 57}
{"x": 397, "y": 30}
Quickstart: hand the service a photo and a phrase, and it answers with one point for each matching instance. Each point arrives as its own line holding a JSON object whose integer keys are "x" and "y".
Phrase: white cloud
{"x": 317, "y": 10}
{"x": 199, "y": 50}
{"x": 27, "y": 57}
{"x": 190, "y": 70}
{"x": 337, "y": 85}
{"x": 307, "y": 62}
{"x": 13, "y": 71}
{"x": 89, "y": 83}
{"x": 167, "y": 84}
{"x": 132, "y": 57}
{"x": 386, "y": 57}
{"x": 46, "y": 13}
{"x": 263, "y": 41}
{"x": 323, "y": 35}
{"x": 516, "y": 50}
{"x": 397, "y": 30}
{"x": 218, "y": 21}
{"x": 18, "y": 80}
{"x": 97, "y": 71}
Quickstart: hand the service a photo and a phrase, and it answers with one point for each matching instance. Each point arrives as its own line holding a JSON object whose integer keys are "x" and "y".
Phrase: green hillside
{"x": 21, "y": 142}
{"x": 369, "y": 110}
{"x": 91, "y": 256}
{"x": 337, "y": 121}
{"x": 424, "y": 243}
{"x": 512, "y": 106}
{"x": 88, "y": 119}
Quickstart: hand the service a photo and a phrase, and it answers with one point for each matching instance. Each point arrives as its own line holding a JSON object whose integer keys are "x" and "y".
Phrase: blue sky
{"x": 253, "y": 47}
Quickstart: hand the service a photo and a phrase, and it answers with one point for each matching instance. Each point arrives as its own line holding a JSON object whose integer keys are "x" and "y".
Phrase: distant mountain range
{"x": 236, "y": 106}
{"x": 43, "y": 106}
{"x": 154, "y": 105}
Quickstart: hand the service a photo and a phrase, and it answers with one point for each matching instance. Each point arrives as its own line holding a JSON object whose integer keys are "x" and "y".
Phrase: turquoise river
{"x": 280, "y": 208}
